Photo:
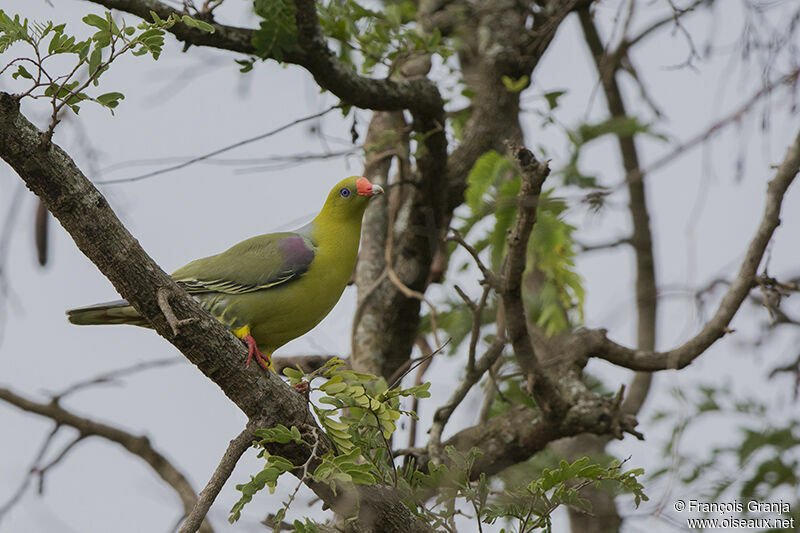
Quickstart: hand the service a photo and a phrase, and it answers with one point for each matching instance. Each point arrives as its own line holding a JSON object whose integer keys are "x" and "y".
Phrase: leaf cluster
{"x": 88, "y": 58}
{"x": 277, "y": 31}
{"x": 530, "y": 505}
{"x": 358, "y": 412}
{"x": 492, "y": 188}
{"x": 533, "y": 504}
{"x": 370, "y": 37}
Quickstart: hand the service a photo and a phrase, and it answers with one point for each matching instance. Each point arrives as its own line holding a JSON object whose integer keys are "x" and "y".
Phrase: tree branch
{"x": 52, "y": 175}
{"x": 641, "y": 239}
{"x": 235, "y": 450}
{"x": 473, "y": 375}
{"x": 540, "y": 384}
{"x": 597, "y": 344}
{"x": 520, "y": 432}
{"x": 138, "y": 446}
{"x": 312, "y": 53}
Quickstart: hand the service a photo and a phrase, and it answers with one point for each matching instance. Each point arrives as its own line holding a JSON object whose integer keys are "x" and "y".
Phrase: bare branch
{"x": 471, "y": 377}
{"x": 307, "y": 363}
{"x": 641, "y": 238}
{"x": 488, "y": 275}
{"x": 235, "y": 450}
{"x": 520, "y": 432}
{"x": 114, "y": 375}
{"x": 599, "y": 345}
{"x": 138, "y": 446}
{"x": 17, "y": 496}
{"x": 604, "y": 245}
{"x": 540, "y": 385}
{"x": 174, "y": 322}
{"x": 427, "y": 354}
{"x": 789, "y": 79}
{"x": 675, "y": 17}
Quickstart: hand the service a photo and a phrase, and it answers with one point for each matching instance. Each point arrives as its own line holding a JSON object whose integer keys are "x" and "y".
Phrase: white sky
{"x": 189, "y": 104}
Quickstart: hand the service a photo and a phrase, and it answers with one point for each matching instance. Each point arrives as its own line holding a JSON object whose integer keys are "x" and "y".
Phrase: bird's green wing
{"x": 252, "y": 265}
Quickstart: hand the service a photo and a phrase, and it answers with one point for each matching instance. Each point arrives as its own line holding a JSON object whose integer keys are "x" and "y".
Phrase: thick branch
{"x": 520, "y": 432}
{"x": 599, "y": 345}
{"x": 540, "y": 384}
{"x": 312, "y": 53}
{"x": 138, "y": 446}
{"x": 52, "y": 175}
{"x": 497, "y": 43}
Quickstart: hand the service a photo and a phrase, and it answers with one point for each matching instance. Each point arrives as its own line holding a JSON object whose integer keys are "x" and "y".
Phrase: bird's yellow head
{"x": 349, "y": 198}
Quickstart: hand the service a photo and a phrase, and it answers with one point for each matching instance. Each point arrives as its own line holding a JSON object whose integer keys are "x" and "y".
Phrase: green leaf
{"x": 280, "y": 434}
{"x": 199, "y": 24}
{"x": 247, "y": 65}
{"x": 293, "y": 373}
{"x": 487, "y": 170}
{"x": 12, "y": 30}
{"x": 97, "y": 21}
{"x": 22, "y": 73}
{"x": 274, "y": 467}
{"x": 277, "y": 32}
{"x": 110, "y": 100}
{"x": 333, "y": 388}
{"x": 156, "y": 18}
{"x": 95, "y": 58}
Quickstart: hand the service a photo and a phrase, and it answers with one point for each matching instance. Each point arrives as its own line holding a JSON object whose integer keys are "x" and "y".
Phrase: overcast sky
{"x": 704, "y": 211}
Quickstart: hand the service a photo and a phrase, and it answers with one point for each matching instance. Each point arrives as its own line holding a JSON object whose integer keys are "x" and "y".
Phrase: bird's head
{"x": 349, "y": 198}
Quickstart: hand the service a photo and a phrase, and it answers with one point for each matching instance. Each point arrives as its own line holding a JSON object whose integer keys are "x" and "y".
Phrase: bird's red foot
{"x": 252, "y": 350}
{"x": 302, "y": 388}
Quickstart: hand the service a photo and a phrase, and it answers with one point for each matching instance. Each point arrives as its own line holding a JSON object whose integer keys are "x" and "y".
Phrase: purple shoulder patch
{"x": 297, "y": 255}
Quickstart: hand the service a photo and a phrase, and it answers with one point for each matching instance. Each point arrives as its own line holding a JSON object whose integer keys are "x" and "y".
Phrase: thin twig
{"x": 235, "y": 450}
{"x": 220, "y": 150}
{"x": 737, "y": 114}
{"x": 476, "y": 328}
{"x": 443, "y": 413}
{"x": 427, "y": 352}
{"x": 488, "y": 275}
{"x": 17, "y": 496}
{"x": 174, "y": 322}
{"x": 114, "y": 375}
{"x": 303, "y": 477}
{"x": 41, "y": 471}
{"x": 411, "y": 364}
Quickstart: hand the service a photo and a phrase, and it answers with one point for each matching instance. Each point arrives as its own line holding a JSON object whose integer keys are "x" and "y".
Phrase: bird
{"x": 272, "y": 288}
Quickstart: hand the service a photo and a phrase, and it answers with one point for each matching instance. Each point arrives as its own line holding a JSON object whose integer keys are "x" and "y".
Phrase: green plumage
{"x": 275, "y": 286}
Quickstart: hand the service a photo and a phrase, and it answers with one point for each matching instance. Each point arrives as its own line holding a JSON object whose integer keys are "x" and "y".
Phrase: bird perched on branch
{"x": 272, "y": 288}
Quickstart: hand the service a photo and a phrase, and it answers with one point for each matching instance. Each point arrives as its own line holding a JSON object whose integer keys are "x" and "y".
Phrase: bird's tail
{"x": 116, "y": 312}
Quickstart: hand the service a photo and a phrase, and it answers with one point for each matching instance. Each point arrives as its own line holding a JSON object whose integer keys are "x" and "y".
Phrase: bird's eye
{"x": 344, "y": 193}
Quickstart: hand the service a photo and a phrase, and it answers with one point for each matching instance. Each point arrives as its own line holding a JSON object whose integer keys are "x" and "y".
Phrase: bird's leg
{"x": 252, "y": 349}
{"x": 302, "y": 388}
{"x": 262, "y": 359}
